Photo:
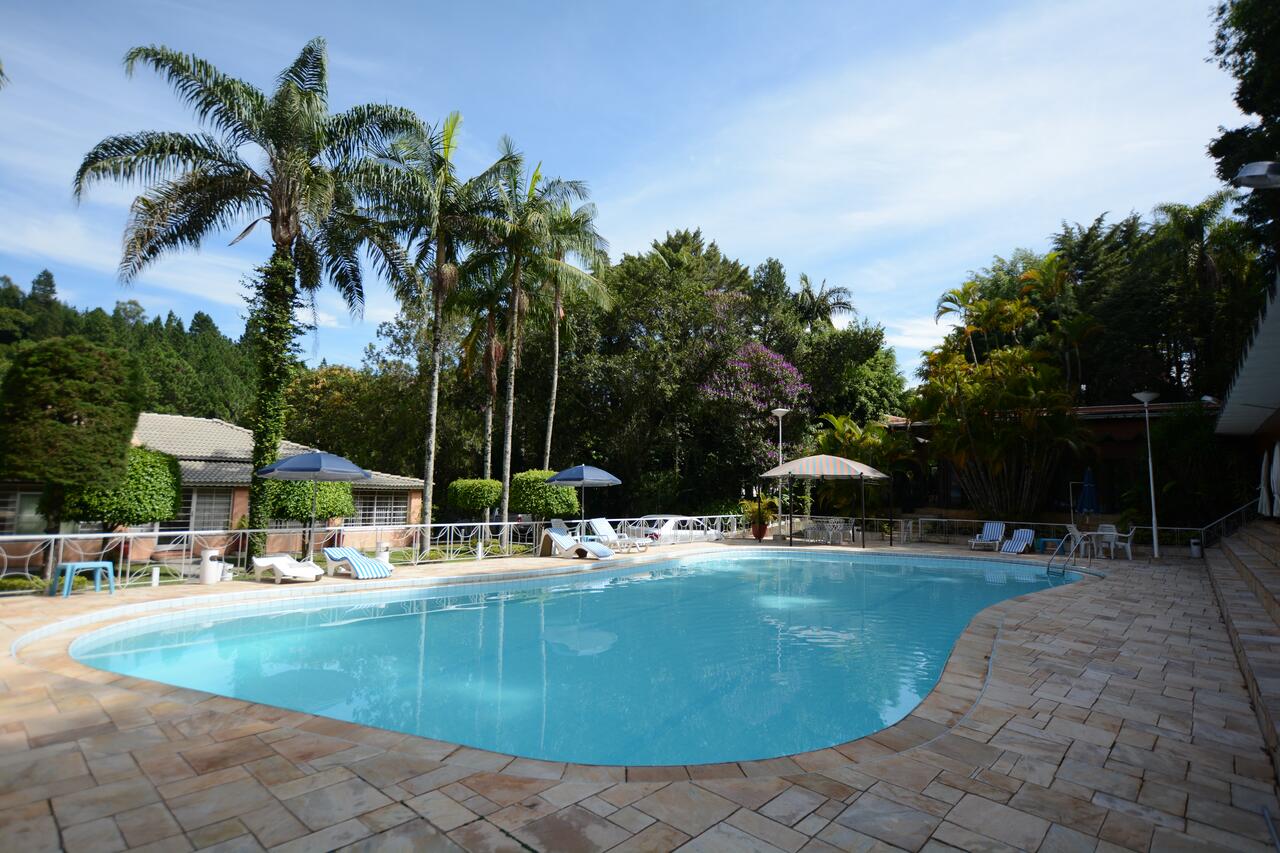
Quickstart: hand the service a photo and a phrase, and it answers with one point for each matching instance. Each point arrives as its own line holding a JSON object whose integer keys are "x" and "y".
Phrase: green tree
{"x": 472, "y": 497}
{"x": 532, "y": 494}
{"x": 446, "y": 216}
{"x": 525, "y": 242}
{"x": 816, "y": 307}
{"x": 151, "y": 490}
{"x": 311, "y": 187}
{"x": 67, "y": 413}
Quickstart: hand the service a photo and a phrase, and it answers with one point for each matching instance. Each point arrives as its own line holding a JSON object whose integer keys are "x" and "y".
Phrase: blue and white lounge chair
{"x": 605, "y": 533}
{"x": 556, "y": 542}
{"x": 990, "y": 537}
{"x": 356, "y": 564}
{"x": 1019, "y": 542}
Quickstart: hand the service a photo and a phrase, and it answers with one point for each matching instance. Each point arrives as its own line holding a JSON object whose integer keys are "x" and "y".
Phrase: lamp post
{"x": 1146, "y": 397}
{"x": 779, "y": 413}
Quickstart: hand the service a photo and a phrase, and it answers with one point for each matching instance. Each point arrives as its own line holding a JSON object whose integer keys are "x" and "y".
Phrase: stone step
{"x": 1256, "y": 641}
{"x": 1258, "y": 573}
{"x": 1263, "y": 537}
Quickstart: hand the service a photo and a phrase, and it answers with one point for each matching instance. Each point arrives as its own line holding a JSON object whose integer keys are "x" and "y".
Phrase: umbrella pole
{"x": 890, "y": 508}
{"x": 862, "y": 482}
{"x": 791, "y": 517}
{"x": 311, "y": 539}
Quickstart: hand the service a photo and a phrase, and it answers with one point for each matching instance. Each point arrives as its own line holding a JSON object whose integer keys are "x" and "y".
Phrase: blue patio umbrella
{"x": 584, "y": 477}
{"x": 318, "y": 467}
{"x": 1088, "y": 503}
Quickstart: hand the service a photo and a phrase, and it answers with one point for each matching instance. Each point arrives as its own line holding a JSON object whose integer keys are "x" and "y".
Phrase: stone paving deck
{"x": 1105, "y": 715}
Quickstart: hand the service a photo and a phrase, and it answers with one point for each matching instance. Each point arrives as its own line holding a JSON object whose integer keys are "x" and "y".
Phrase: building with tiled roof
{"x": 215, "y": 458}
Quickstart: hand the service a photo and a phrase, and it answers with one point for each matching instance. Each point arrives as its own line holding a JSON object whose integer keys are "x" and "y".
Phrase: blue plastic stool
{"x": 68, "y": 571}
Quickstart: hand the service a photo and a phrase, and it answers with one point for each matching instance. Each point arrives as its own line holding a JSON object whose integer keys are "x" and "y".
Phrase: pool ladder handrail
{"x": 1076, "y": 545}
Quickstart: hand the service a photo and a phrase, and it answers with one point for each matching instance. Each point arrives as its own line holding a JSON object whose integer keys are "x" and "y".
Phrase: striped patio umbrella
{"x": 825, "y": 467}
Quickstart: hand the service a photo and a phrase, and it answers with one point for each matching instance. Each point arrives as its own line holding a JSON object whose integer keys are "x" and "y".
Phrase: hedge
{"x": 291, "y": 500}
{"x": 532, "y": 495}
{"x": 150, "y": 491}
{"x": 473, "y": 496}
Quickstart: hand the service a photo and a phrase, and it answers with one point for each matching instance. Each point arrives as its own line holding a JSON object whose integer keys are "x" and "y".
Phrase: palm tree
{"x": 310, "y": 182}
{"x": 524, "y": 235}
{"x": 483, "y": 347}
{"x": 573, "y": 231}
{"x": 961, "y": 301}
{"x": 446, "y": 215}
{"x": 3, "y": 79}
{"x": 818, "y": 306}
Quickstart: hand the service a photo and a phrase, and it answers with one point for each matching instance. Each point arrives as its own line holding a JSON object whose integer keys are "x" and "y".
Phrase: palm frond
{"x": 152, "y": 156}
{"x": 231, "y": 105}
{"x": 310, "y": 71}
{"x": 363, "y": 128}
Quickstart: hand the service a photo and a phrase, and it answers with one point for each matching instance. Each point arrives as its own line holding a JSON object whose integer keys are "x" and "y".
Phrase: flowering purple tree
{"x": 750, "y": 384}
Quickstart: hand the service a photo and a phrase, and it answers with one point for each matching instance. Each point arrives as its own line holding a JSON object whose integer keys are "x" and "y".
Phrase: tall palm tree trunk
{"x": 555, "y": 376}
{"x": 513, "y": 344}
{"x": 277, "y": 291}
{"x": 433, "y": 401}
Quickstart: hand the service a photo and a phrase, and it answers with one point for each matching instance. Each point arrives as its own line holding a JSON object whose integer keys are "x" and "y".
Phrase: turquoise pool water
{"x": 701, "y": 659}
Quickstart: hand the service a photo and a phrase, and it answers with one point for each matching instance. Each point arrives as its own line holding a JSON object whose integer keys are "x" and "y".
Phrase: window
{"x": 20, "y": 512}
{"x": 202, "y": 509}
{"x": 379, "y": 508}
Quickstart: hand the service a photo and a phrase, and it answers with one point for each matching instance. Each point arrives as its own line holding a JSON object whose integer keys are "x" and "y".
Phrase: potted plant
{"x": 758, "y": 514}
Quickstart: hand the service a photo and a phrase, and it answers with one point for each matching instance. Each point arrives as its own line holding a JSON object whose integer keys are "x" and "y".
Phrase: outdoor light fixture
{"x": 1262, "y": 175}
{"x": 779, "y": 413}
{"x": 1146, "y": 398}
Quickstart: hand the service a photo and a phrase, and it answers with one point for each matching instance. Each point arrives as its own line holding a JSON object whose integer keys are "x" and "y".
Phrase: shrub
{"x": 150, "y": 491}
{"x": 291, "y": 500}
{"x": 473, "y": 496}
{"x": 531, "y": 494}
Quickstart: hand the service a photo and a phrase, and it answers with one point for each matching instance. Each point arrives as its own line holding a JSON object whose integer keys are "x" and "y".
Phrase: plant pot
{"x": 759, "y": 530}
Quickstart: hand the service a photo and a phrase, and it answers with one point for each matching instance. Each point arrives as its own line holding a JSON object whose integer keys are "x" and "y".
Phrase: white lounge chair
{"x": 1109, "y": 537}
{"x": 991, "y": 536}
{"x": 556, "y": 542}
{"x": 351, "y": 562}
{"x": 1019, "y": 542}
{"x": 605, "y": 533}
{"x": 1079, "y": 542}
{"x": 286, "y": 568}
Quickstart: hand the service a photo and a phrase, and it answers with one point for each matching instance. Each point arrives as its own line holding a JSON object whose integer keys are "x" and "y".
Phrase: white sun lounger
{"x": 605, "y": 533}
{"x": 286, "y": 568}
{"x": 1019, "y": 542}
{"x": 990, "y": 537}
{"x": 352, "y": 562}
{"x": 556, "y": 542}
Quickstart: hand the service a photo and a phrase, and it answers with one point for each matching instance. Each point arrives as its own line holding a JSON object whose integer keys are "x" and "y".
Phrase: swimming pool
{"x": 708, "y": 658}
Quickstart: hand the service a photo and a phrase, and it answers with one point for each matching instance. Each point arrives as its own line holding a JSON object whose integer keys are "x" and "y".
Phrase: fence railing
{"x": 151, "y": 556}
{"x": 1229, "y": 523}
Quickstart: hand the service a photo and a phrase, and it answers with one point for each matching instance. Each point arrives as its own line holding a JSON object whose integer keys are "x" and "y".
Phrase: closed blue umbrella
{"x": 584, "y": 477}
{"x": 318, "y": 467}
{"x": 1088, "y": 503}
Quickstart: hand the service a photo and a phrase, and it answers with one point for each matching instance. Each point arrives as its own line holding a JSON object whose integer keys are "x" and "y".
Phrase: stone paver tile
{"x": 658, "y": 838}
{"x": 198, "y": 783}
{"x": 505, "y": 790}
{"x": 144, "y": 825}
{"x": 837, "y": 836}
{"x": 889, "y": 821}
{"x": 217, "y": 833}
{"x": 217, "y": 756}
{"x": 308, "y": 747}
{"x": 274, "y": 770}
{"x": 273, "y": 824}
{"x": 234, "y": 799}
{"x": 752, "y": 793}
{"x": 1099, "y": 779}
{"x": 513, "y": 817}
{"x": 792, "y": 805}
{"x": 331, "y": 838}
{"x": 17, "y": 776}
{"x": 631, "y": 819}
{"x": 393, "y": 814}
{"x": 1058, "y": 808}
{"x": 29, "y": 827}
{"x": 112, "y": 768}
{"x": 103, "y": 801}
{"x": 442, "y": 811}
{"x": 956, "y": 837}
{"x": 336, "y": 803}
{"x": 729, "y": 770}
{"x": 568, "y": 793}
{"x": 390, "y": 768}
{"x": 1063, "y": 840}
{"x": 828, "y": 787}
{"x": 687, "y": 807}
{"x": 480, "y": 836}
{"x": 534, "y": 769}
{"x": 571, "y": 830}
{"x": 1146, "y": 813}
{"x": 600, "y": 807}
{"x": 628, "y": 792}
{"x": 1126, "y": 831}
{"x": 812, "y": 825}
{"x": 999, "y": 821}
{"x": 314, "y": 782}
{"x": 417, "y": 835}
{"x": 241, "y": 844}
{"x": 761, "y": 827}
{"x": 96, "y": 836}
{"x": 901, "y": 771}
{"x": 592, "y": 773}
{"x": 433, "y": 779}
{"x": 1228, "y": 817}
{"x": 478, "y": 759}
{"x": 724, "y": 838}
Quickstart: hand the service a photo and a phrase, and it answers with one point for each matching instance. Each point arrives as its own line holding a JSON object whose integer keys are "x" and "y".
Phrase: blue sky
{"x": 889, "y": 147}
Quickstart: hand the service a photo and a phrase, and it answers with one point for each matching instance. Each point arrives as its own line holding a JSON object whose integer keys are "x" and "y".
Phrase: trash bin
{"x": 1196, "y": 551}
